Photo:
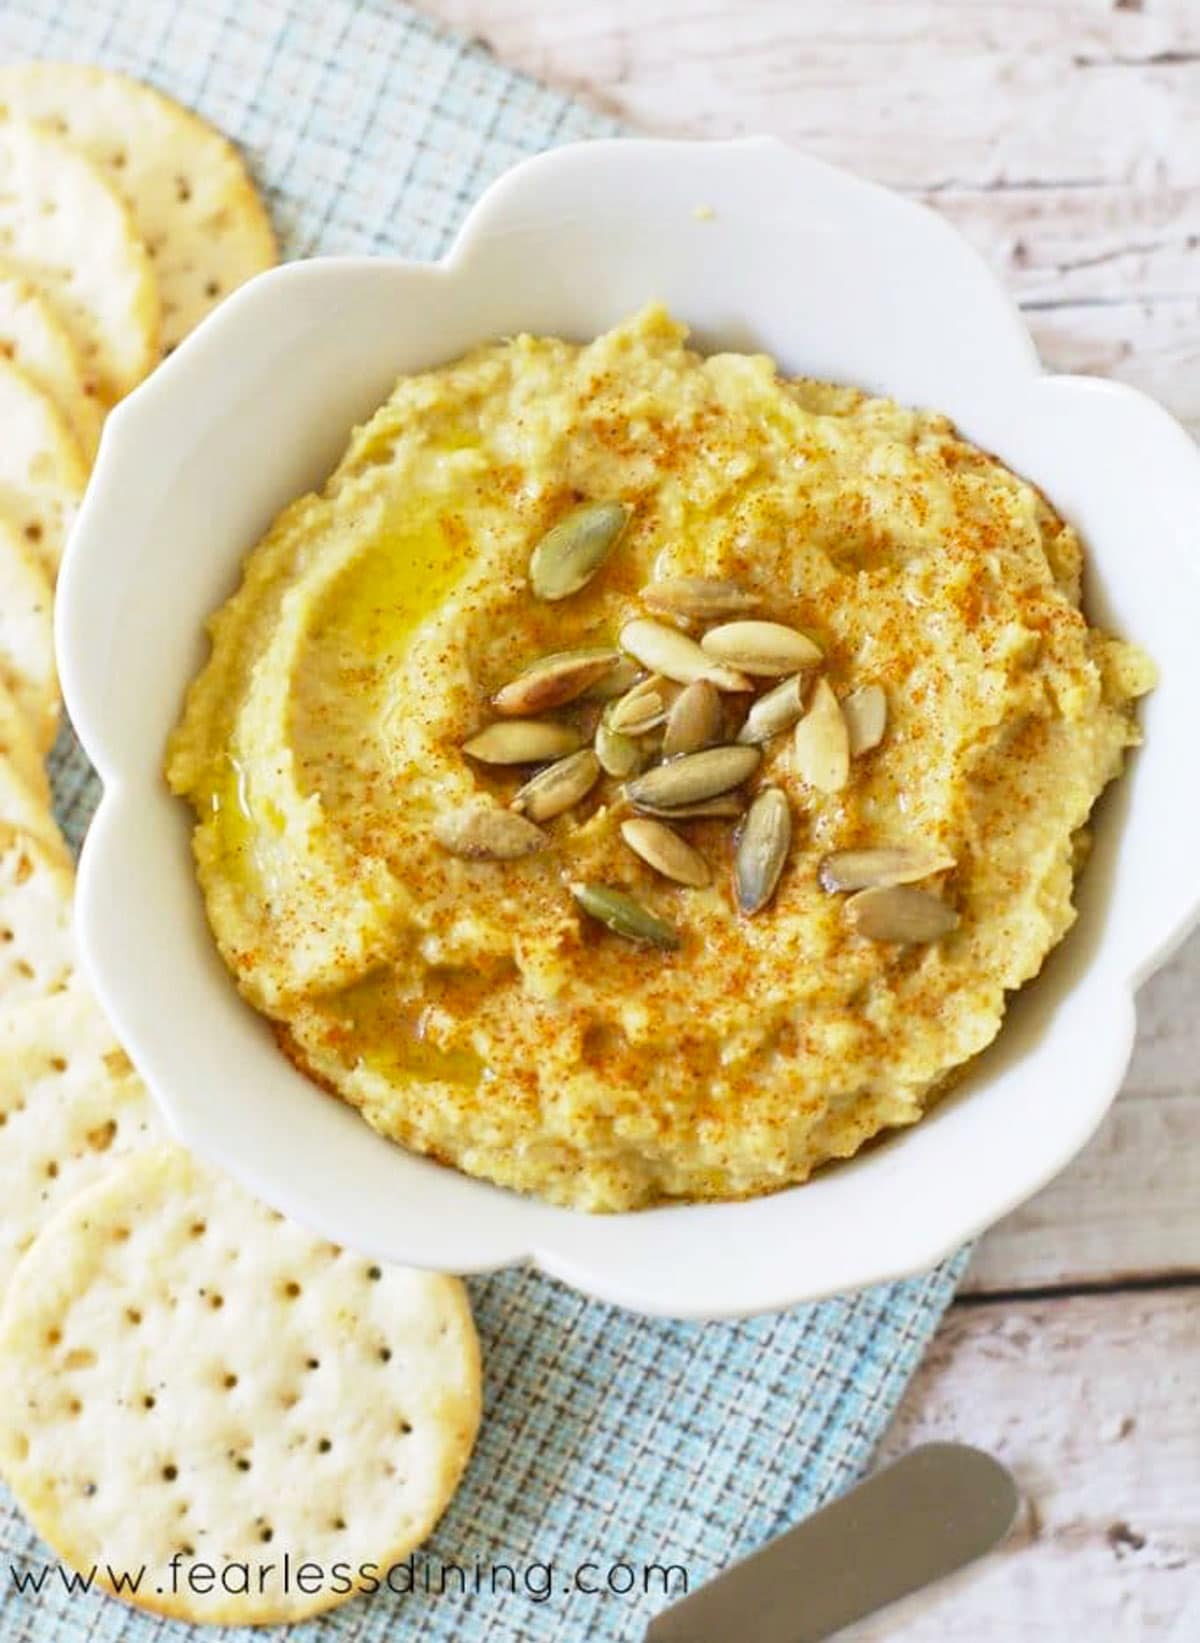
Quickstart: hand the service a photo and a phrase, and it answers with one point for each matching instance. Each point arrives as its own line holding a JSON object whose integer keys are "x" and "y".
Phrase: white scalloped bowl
{"x": 756, "y": 247}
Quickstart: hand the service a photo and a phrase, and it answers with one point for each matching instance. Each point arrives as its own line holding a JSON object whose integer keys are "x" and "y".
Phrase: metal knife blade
{"x": 935, "y": 1509}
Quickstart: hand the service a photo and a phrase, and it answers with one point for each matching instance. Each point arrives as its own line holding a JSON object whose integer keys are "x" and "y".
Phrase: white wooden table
{"x": 1063, "y": 138}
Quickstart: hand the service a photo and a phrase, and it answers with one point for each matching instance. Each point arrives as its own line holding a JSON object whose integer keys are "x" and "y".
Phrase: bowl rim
{"x": 572, "y": 1260}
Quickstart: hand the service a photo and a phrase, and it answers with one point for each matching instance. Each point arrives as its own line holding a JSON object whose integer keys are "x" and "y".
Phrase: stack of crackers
{"x": 202, "y": 1407}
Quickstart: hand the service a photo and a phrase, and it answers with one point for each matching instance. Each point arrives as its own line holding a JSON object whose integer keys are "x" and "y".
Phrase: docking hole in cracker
{"x": 188, "y": 1378}
{"x": 37, "y": 947}
{"x": 190, "y": 194}
{"x": 66, "y": 229}
{"x": 71, "y": 1106}
{"x": 27, "y": 665}
{"x": 42, "y": 471}
{"x": 33, "y": 337}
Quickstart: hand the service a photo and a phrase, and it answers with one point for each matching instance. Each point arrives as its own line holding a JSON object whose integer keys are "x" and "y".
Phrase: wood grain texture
{"x": 1063, "y": 139}
{"x": 1154, "y": 346}
{"x": 1108, "y": 1542}
{"x": 918, "y": 93}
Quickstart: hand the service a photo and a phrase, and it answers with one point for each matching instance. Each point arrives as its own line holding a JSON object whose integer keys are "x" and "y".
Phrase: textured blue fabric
{"x": 608, "y": 1439}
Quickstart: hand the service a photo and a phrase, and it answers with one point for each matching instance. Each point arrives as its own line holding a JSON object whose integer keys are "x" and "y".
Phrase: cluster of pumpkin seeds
{"x": 683, "y": 730}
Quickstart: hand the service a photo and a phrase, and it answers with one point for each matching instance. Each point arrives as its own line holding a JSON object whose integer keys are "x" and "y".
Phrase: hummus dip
{"x": 469, "y": 1002}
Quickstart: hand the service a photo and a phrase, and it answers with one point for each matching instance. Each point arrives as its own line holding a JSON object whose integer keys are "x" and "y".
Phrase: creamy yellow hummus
{"x": 471, "y": 1009}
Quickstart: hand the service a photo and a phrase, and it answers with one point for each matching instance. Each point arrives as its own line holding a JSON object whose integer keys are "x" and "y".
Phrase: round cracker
{"x": 37, "y": 947}
{"x": 193, "y": 201}
{"x": 65, "y": 227}
{"x": 71, "y": 1105}
{"x": 33, "y": 337}
{"x": 27, "y": 666}
{"x": 184, "y": 1373}
{"x": 17, "y": 743}
{"x": 42, "y": 471}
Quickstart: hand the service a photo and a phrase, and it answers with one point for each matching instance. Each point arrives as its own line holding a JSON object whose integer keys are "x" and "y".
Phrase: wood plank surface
{"x": 1063, "y": 139}
{"x": 918, "y": 93}
{"x": 1107, "y": 1546}
{"x": 1154, "y": 346}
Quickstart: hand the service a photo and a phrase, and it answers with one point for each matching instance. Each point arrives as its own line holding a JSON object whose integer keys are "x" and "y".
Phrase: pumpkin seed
{"x": 619, "y": 755}
{"x": 482, "y": 833}
{"x": 900, "y": 913}
{"x": 698, "y": 598}
{"x": 624, "y": 916}
{"x": 762, "y": 848}
{"x": 726, "y": 805}
{"x": 881, "y": 867}
{"x": 694, "y": 777}
{"x": 522, "y": 741}
{"x": 775, "y": 712}
{"x": 762, "y": 648}
{"x": 573, "y": 550}
{"x": 641, "y": 709}
{"x": 696, "y": 719}
{"x": 822, "y": 742}
{"x": 553, "y": 681}
{"x": 558, "y": 787}
{"x": 675, "y": 656}
{"x": 663, "y": 849}
{"x": 866, "y": 713}
{"x": 620, "y": 678}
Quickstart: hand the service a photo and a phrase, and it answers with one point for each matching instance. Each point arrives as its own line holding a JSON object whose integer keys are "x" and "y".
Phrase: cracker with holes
{"x": 71, "y": 1105}
{"x": 37, "y": 947}
{"x": 27, "y": 666}
{"x": 33, "y": 337}
{"x": 42, "y": 471}
{"x": 188, "y": 1379}
{"x": 65, "y": 227}
{"x": 191, "y": 197}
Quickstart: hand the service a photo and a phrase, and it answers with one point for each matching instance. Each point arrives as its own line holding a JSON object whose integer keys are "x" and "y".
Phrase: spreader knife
{"x": 912, "y": 1523}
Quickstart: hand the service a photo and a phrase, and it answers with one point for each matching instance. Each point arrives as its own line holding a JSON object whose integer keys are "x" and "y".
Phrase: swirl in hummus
{"x": 486, "y": 1011}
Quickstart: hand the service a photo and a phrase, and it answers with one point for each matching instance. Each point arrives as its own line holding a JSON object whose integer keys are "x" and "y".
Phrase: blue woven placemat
{"x": 612, "y": 1445}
